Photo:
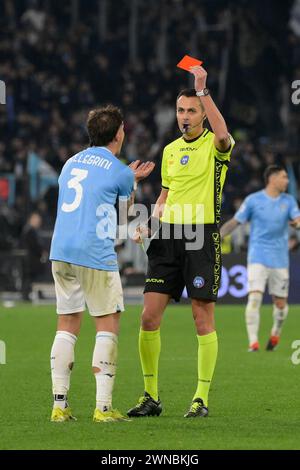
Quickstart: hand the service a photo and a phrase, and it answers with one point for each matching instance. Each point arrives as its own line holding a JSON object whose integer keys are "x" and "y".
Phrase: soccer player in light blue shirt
{"x": 84, "y": 262}
{"x": 89, "y": 186}
{"x": 270, "y": 212}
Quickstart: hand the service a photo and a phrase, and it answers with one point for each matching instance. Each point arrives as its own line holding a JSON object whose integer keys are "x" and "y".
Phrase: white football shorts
{"x": 76, "y": 286}
{"x": 277, "y": 279}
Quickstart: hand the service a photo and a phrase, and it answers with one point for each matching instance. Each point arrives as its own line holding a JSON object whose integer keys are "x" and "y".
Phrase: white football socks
{"x": 279, "y": 315}
{"x": 252, "y": 315}
{"x": 104, "y": 360}
{"x": 62, "y": 360}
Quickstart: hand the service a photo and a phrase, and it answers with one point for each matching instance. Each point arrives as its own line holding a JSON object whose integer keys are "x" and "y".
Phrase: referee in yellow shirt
{"x": 187, "y": 248}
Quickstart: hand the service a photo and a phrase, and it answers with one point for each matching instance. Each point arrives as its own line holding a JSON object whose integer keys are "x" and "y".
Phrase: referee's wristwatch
{"x": 203, "y": 92}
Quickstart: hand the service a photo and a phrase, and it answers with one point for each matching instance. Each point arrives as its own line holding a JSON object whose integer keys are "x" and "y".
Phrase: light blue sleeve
{"x": 125, "y": 183}
{"x": 244, "y": 213}
{"x": 294, "y": 211}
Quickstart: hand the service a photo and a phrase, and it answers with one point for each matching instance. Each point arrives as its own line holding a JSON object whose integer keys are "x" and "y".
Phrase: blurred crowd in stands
{"x": 60, "y": 59}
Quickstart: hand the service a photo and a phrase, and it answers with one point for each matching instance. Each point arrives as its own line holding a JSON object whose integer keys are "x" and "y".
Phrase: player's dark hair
{"x": 189, "y": 93}
{"x": 271, "y": 170}
{"x": 103, "y": 124}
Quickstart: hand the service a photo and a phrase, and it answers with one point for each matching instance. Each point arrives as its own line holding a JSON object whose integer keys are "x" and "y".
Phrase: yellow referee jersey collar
{"x": 203, "y": 133}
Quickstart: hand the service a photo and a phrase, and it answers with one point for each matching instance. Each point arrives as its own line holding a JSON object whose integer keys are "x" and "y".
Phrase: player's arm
{"x": 295, "y": 223}
{"x": 143, "y": 231}
{"x": 222, "y": 139}
{"x": 127, "y": 186}
{"x": 141, "y": 171}
{"x": 160, "y": 203}
{"x": 242, "y": 216}
{"x": 294, "y": 213}
{"x": 229, "y": 227}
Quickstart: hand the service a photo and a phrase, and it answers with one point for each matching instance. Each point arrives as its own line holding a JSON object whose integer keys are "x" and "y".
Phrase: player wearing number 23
{"x": 269, "y": 212}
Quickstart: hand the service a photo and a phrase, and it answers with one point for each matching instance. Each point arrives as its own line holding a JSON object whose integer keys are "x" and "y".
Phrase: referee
{"x": 193, "y": 172}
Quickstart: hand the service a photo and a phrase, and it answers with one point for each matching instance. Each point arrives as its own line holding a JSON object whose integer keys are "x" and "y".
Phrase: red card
{"x": 187, "y": 62}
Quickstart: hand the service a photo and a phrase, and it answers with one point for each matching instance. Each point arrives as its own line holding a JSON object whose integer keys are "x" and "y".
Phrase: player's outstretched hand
{"x": 141, "y": 232}
{"x": 295, "y": 223}
{"x": 200, "y": 75}
{"x": 141, "y": 170}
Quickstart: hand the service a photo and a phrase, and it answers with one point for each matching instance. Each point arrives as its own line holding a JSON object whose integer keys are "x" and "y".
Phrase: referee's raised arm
{"x": 215, "y": 118}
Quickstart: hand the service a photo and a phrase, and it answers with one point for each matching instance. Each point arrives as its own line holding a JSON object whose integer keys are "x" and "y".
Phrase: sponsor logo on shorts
{"x": 198, "y": 282}
{"x": 184, "y": 160}
{"x": 154, "y": 279}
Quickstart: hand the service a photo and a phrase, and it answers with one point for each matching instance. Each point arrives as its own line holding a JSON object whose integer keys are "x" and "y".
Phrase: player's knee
{"x": 280, "y": 303}
{"x": 96, "y": 370}
{"x": 149, "y": 321}
{"x": 204, "y": 325}
{"x": 149, "y": 324}
{"x": 70, "y": 323}
{"x": 203, "y": 330}
{"x": 254, "y": 301}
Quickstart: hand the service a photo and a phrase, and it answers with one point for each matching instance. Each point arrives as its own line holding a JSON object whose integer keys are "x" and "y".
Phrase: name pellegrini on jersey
{"x": 90, "y": 159}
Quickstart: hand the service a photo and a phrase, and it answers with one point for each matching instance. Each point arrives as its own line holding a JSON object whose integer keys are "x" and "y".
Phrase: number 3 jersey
{"x": 90, "y": 184}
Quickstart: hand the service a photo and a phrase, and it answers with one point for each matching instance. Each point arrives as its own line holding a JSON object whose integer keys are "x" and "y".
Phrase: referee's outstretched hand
{"x": 141, "y": 170}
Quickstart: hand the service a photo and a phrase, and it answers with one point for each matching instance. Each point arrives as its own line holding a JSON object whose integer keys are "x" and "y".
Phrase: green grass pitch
{"x": 254, "y": 400}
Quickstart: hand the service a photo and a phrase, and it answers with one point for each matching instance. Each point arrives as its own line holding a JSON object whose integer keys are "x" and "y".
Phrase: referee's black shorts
{"x": 177, "y": 261}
